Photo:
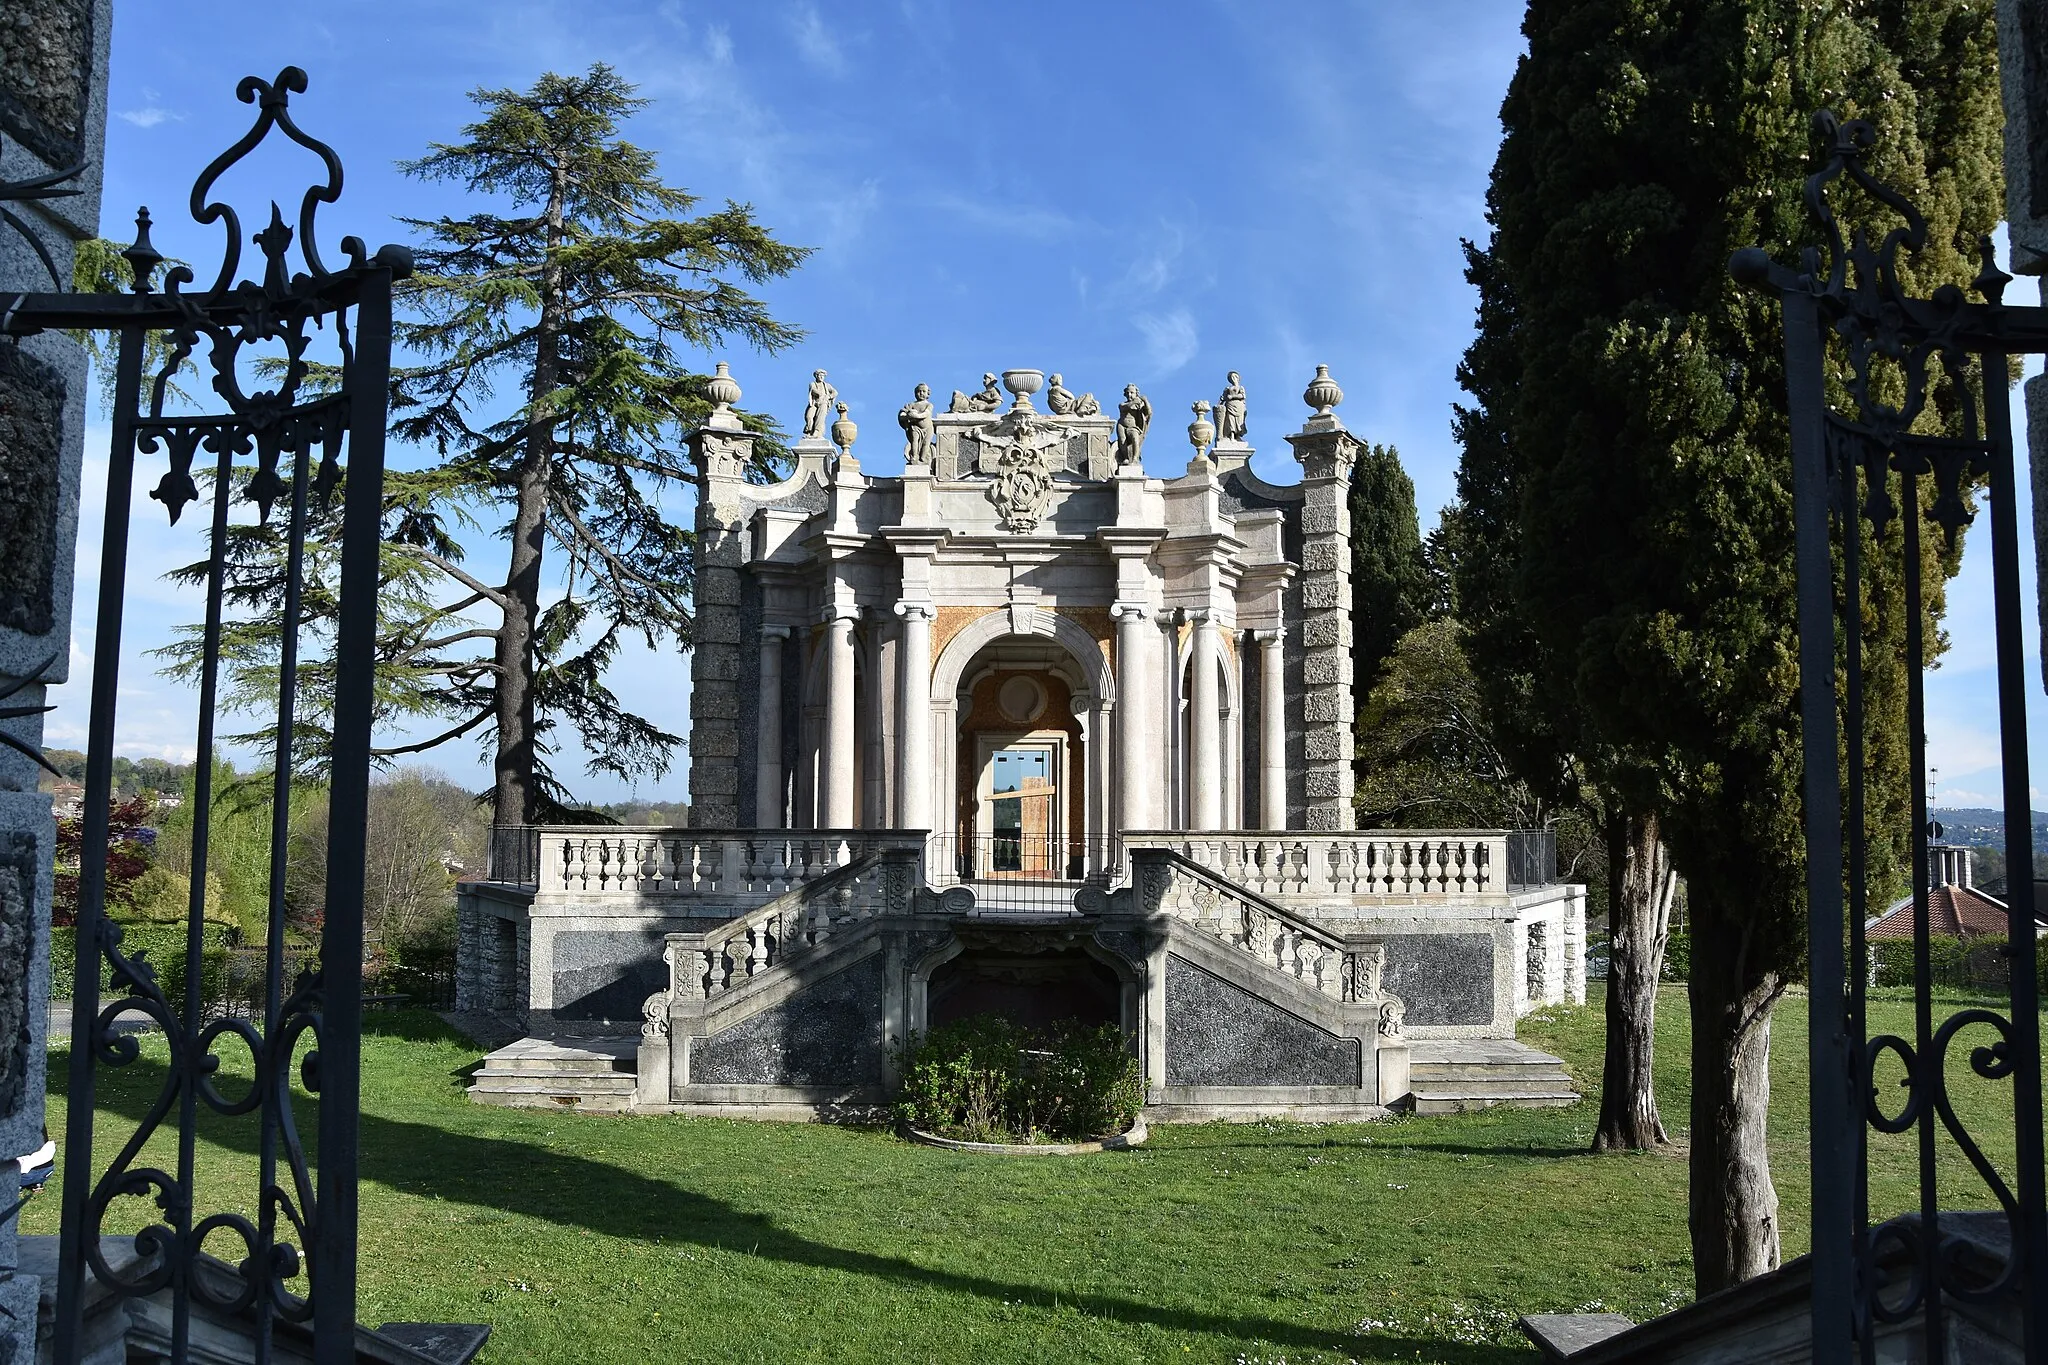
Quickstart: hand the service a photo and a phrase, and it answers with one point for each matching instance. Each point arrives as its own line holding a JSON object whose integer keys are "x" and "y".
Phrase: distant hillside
{"x": 1982, "y": 827}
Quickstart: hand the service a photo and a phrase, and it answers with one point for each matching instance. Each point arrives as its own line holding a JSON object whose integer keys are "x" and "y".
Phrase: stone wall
{"x": 716, "y": 664}
{"x": 53, "y": 111}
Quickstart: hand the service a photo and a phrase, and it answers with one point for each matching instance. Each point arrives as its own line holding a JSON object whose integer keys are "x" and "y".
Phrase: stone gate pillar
{"x": 721, "y": 448}
{"x": 1326, "y": 452}
{"x": 53, "y": 116}
{"x": 2023, "y": 73}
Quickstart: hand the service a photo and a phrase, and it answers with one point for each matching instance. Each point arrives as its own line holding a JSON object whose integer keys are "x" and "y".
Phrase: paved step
{"x": 1454, "y": 1075}
{"x": 1443, "y": 1102}
{"x": 542, "y": 1073}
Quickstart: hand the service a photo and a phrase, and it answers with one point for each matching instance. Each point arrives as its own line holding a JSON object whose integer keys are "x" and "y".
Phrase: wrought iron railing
{"x": 1873, "y": 465}
{"x": 294, "y": 1257}
{"x": 513, "y": 856}
{"x": 1531, "y": 858}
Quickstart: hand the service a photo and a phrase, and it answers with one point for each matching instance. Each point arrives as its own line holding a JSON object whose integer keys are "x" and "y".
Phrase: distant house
{"x": 1955, "y": 907}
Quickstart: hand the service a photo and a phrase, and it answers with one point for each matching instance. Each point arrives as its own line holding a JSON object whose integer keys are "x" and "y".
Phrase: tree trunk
{"x": 513, "y": 777}
{"x": 1734, "y": 1207}
{"x": 1640, "y": 884}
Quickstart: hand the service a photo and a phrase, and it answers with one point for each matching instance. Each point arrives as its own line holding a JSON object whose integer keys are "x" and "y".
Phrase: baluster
{"x": 757, "y": 948}
{"x": 714, "y": 958}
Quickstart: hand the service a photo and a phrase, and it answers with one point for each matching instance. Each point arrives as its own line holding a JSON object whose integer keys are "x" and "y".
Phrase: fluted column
{"x": 838, "y": 756}
{"x": 768, "y": 752}
{"x": 1205, "y": 729}
{"x": 1136, "y": 707}
{"x": 1272, "y": 730}
{"x": 914, "y": 725}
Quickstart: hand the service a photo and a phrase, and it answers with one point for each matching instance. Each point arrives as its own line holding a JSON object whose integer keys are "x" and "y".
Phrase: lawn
{"x": 599, "y": 1239}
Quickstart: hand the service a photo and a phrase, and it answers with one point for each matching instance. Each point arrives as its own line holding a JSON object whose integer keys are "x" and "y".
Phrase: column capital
{"x": 774, "y": 633}
{"x": 833, "y": 614}
{"x": 1135, "y": 611}
{"x": 1270, "y": 637}
{"x": 922, "y": 609}
{"x": 1197, "y": 616}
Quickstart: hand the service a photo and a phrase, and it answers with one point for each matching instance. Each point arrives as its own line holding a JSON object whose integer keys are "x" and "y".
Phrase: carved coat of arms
{"x": 1023, "y": 480}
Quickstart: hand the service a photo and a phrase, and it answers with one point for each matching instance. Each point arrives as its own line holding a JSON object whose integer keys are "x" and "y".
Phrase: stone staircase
{"x": 592, "y": 1074}
{"x": 1452, "y": 1075}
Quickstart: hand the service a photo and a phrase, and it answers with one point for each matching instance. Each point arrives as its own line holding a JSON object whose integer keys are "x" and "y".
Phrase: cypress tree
{"x": 1633, "y": 437}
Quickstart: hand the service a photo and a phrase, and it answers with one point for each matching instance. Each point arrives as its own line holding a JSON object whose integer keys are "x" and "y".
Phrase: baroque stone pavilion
{"x": 1022, "y": 729}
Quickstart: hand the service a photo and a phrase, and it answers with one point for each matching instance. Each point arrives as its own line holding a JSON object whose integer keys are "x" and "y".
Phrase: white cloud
{"x": 1152, "y": 271}
{"x": 1014, "y": 220}
{"x": 814, "y": 42}
{"x": 718, "y": 43}
{"x": 1171, "y": 340}
{"x": 149, "y": 116}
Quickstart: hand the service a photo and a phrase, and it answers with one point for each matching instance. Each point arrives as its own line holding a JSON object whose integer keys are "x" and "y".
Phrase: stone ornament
{"x": 723, "y": 391}
{"x": 1230, "y": 410}
{"x": 1201, "y": 431}
{"x": 844, "y": 431}
{"x": 919, "y": 432}
{"x": 1021, "y": 699}
{"x": 818, "y": 406}
{"x": 1392, "y": 1013}
{"x": 1023, "y": 481}
{"x": 988, "y": 400}
{"x": 1133, "y": 420}
{"x": 1322, "y": 392}
{"x": 1022, "y": 384}
{"x": 1064, "y": 403}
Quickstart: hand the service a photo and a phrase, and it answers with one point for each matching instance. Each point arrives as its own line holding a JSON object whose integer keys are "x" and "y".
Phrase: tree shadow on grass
{"x": 565, "y": 1189}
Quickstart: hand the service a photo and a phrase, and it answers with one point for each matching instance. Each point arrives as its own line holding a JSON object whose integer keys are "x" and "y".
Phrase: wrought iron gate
{"x": 280, "y": 448}
{"x": 1870, "y": 465}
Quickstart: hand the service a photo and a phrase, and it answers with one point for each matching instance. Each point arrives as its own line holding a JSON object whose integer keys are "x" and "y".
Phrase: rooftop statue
{"x": 1230, "y": 410}
{"x": 988, "y": 400}
{"x": 915, "y": 417}
{"x": 1062, "y": 402}
{"x": 818, "y": 408}
{"x": 1133, "y": 420}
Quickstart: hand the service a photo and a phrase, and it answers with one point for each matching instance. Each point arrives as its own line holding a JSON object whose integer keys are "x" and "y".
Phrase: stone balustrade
{"x": 584, "y": 859}
{"x": 1166, "y": 882}
{"x": 1388, "y": 863}
{"x": 706, "y": 964}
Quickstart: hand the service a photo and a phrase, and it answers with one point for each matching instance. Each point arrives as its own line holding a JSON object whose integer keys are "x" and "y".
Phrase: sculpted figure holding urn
{"x": 1133, "y": 419}
{"x": 915, "y": 417}
{"x": 988, "y": 400}
{"x": 818, "y": 408}
{"x": 1230, "y": 410}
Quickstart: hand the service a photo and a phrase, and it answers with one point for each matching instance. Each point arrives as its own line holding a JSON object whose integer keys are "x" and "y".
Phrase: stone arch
{"x": 997, "y": 625}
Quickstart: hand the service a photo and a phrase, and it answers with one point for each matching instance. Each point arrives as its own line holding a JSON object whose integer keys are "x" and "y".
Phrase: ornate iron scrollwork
{"x": 275, "y": 446}
{"x": 1859, "y": 468}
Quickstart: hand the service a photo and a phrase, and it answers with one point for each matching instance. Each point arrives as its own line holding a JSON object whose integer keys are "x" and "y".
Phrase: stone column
{"x": 768, "y": 793}
{"x": 915, "y": 768}
{"x": 721, "y": 448}
{"x": 1137, "y": 757}
{"x": 1205, "y": 727}
{"x": 1326, "y": 452}
{"x": 1272, "y": 729}
{"x": 2023, "y": 74}
{"x": 837, "y": 758}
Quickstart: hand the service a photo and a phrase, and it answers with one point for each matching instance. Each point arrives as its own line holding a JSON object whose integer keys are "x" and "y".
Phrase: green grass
{"x": 595, "y": 1239}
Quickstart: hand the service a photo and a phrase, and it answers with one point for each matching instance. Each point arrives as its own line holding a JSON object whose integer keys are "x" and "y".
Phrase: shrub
{"x": 1978, "y": 963}
{"x": 164, "y": 945}
{"x": 985, "y": 1079}
{"x": 1678, "y": 956}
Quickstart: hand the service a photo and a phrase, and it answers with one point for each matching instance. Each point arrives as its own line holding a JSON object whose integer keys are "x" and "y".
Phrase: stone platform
{"x": 595, "y": 1074}
{"x": 1452, "y": 1075}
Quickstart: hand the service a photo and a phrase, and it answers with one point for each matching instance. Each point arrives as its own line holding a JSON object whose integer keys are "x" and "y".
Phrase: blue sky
{"x": 1150, "y": 192}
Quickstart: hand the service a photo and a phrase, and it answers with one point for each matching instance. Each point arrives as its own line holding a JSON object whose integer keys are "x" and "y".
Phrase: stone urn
{"x": 1201, "y": 431}
{"x": 1022, "y": 384}
{"x": 844, "y": 431}
{"x": 1322, "y": 392}
{"x": 723, "y": 389}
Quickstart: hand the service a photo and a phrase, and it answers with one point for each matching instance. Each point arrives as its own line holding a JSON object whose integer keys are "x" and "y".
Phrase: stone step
{"x": 558, "y": 1066}
{"x": 1536, "y": 1065}
{"x": 553, "y": 1099}
{"x": 1447, "y": 1102}
{"x": 608, "y": 1083}
{"x": 1549, "y": 1081}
